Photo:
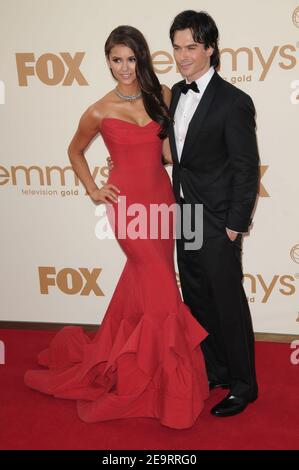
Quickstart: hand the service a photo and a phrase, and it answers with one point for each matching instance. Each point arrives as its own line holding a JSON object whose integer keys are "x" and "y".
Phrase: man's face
{"x": 192, "y": 59}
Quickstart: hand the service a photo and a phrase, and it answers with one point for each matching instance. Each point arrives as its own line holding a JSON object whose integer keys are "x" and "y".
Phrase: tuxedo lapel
{"x": 200, "y": 114}
{"x": 174, "y": 102}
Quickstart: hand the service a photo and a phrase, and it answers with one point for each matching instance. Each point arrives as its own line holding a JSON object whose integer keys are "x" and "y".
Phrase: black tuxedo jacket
{"x": 219, "y": 165}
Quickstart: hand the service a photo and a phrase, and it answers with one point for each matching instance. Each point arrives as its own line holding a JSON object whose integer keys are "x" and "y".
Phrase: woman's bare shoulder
{"x": 96, "y": 111}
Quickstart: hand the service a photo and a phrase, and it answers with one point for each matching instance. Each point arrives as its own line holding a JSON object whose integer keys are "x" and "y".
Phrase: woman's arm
{"x": 166, "y": 152}
{"x": 88, "y": 128}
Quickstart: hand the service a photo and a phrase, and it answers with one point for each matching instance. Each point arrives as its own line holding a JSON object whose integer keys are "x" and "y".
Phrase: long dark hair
{"x": 204, "y": 30}
{"x": 148, "y": 81}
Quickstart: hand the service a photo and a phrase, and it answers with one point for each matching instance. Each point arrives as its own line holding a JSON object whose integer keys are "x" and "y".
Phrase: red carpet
{"x": 30, "y": 420}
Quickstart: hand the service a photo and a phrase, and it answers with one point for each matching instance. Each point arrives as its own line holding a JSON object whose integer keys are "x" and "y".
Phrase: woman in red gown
{"x": 145, "y": 360}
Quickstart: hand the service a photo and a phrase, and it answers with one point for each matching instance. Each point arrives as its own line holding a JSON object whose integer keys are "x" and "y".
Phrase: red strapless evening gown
{"x": 145, "y": 360}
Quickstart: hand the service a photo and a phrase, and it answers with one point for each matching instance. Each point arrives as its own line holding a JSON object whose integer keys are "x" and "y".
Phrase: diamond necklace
{"x": 128, "y": 97}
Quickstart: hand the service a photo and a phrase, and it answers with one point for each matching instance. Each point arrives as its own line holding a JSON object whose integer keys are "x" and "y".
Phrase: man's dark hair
{"x": 203, "y": 28}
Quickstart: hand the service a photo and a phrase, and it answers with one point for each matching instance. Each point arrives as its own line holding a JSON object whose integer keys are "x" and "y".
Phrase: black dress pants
{"x": 211, "y": 281}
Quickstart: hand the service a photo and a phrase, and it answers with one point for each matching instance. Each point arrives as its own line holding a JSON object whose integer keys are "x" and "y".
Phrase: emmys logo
{"x": 70, "y": 281}
{"x": 20, "y": 175}
{"x": 285, "y": 284}
{"x": 51, "y": 69}
{"x": 286, "y": 55}
{"x": 254, "y": 284}
{"x": 295, "y": 17}
{"x": 294, "y": 253}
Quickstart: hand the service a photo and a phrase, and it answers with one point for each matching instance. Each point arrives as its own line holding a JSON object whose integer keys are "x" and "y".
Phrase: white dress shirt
{"x": 184, "y": 112}
{"x": 185, "y": 109}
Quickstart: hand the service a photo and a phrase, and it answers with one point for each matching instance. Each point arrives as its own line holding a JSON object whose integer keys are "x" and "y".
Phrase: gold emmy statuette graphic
{"x": 294, "y": 253}
{"x": 295, "y": 17}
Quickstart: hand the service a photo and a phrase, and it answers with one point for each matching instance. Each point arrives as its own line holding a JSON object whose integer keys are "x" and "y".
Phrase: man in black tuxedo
{"x": 216, "y": 164}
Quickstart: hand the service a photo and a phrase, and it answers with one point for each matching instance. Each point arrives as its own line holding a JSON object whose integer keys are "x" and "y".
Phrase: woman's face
{"x": 122, "y": 62}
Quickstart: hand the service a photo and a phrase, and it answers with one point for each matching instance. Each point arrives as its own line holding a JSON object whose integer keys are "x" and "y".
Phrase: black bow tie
{"x": 185, "y": 87}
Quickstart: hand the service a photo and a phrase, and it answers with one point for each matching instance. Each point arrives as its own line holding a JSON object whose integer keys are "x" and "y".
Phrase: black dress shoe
{"x": 231, "y": 405}
{"x": 213, "y": 385}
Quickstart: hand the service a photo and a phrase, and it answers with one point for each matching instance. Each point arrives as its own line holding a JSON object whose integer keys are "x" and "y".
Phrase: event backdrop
{"x": 54, "y": 268}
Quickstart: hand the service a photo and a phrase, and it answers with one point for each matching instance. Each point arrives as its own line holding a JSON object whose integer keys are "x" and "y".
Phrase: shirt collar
{"x": 202, "y": 82}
